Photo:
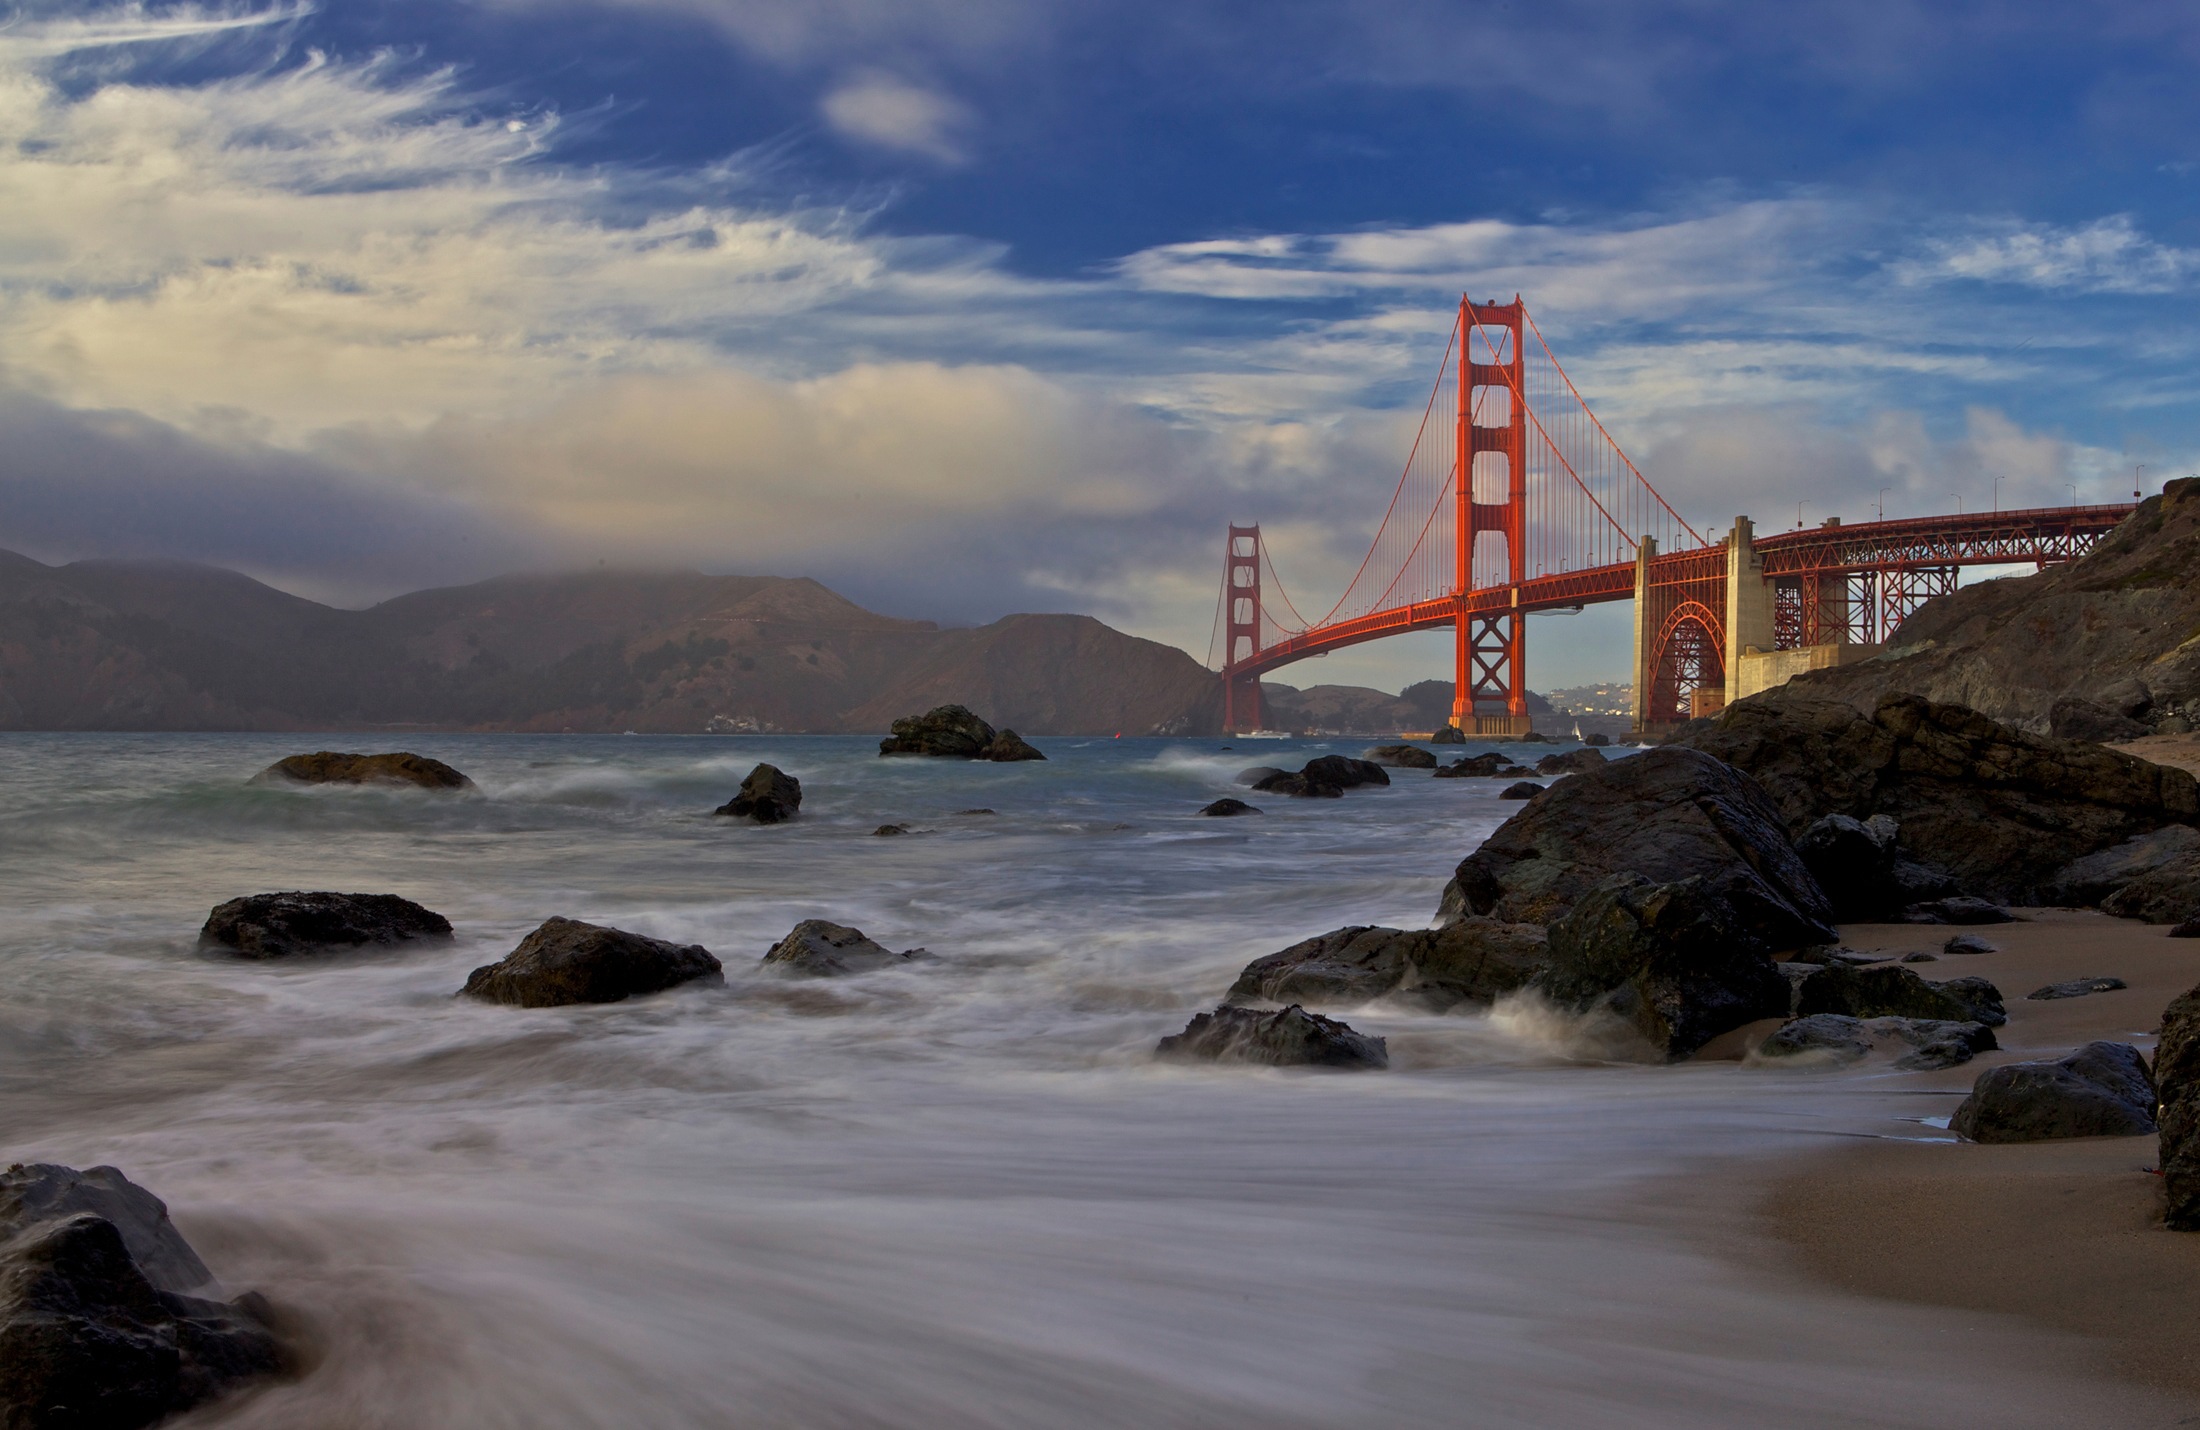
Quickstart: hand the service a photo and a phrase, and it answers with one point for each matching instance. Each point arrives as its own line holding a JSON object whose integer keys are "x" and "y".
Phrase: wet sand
{"x": 2066, "y": 1236}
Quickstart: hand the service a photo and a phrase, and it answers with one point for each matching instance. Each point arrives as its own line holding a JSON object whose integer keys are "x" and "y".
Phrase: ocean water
{"x": 961, "y": 1193}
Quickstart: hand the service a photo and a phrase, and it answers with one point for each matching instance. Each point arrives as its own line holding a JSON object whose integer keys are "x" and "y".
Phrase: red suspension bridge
{"x": 1515, "y": 499}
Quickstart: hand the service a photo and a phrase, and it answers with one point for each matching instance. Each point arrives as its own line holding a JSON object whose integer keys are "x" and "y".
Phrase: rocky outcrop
{"x": 2101, "y": 1090}
{"x": 1407, "y": 757}
{"x": 1571, "y": 763}
{"x": 1291, "y": 1037}
{"x": 1470, "y": 963}
{"x": 1227, "y": 808}
{"x": 2000, "y": 810}
{"x": 1665, "y": 815}
{"x": 278, "y": 925}
{"x": 1889, "y": 990}
{"x": 566, "y": 961}
{"x": 952, "y": 732}
{"x": 2177, "y": 1082}
{"x": 769, "y": 795}
{"x": 1929, "y": 1044}
{"x": 330, "y": 767}
{"x": 2163, "y": 857}
{"x": 102, "y": 1318}
{"x": 818, "y": 948}
{"x": 1325, "y": 778}
{"x": 1679, "y": 962}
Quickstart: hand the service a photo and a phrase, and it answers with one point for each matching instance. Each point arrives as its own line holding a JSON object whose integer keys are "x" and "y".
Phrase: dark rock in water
{"x": 97, "y": 1324}
{"x": 1469, "y": 963}
{"x": 1834, "y": 1035}
{"x": 1921, "y": 958}
{"x": 1224, "y": 808}
{"x": 1258, "y": 773}
{"x": 2087, "y": 881}
{"x": 822, "y": 949}
{"x": 1407, "y": 757}
{"x": 2000, "y": 810}
{"x": 1572, "y": 762}
{"x": 329, "y": 767}
{"x": 1680, "y": 961}
{"x": 1964, "y": 944}
{"x": 1344, "y": 772}
{"x": 888, "y": 830}
{"x": 769, "y": 796}
{"x": 1449, "y": 735}
{"x": 1666, "y": 815}
{"x": 1525, "y": 789}
{"x": 952, "y": 732}
{"x": 2101, "y": 1090}
{"x": 1596, "y": 739}
{"x": 1933, "y": 1044}
{"x": 276, "y": 925}
{"x": 2177, "y": 1080}
{"x": 1961, "y": 909}
{"x": 1292, "y": 1037}
{"x": 1890, "y": 990}
{"x": 2075, "y": 988}
{"x": 2076, "y": 718}
{"x": 1853, "y": 861}
{"x": 1008, "y": 747}
{"x": 1297, "y": 786}
{"x": 566, "y": 961}
{"x": 1473, "y": 766}
{"x": 960, "y": 812}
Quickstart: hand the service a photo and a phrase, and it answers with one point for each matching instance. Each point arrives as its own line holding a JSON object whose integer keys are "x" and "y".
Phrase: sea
{"x": 958, "y": 1193}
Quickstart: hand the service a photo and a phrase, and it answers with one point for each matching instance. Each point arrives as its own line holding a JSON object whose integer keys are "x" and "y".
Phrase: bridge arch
{"x": 1688, "y": 654}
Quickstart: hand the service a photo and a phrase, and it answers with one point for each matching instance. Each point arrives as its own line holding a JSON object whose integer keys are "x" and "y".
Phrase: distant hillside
{"x": 105, "y": 645}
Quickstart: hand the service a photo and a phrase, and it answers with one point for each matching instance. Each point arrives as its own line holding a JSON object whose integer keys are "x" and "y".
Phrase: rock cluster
{"x": 1290, "y": 1037}
{"x": 331, "y": 767}
{"x": 769, "y": 795}
{"x": 566, "y": 961}
{"x": 1837, "y": 1037}
{"x": 107, "y": 1321}
{"x": 818, "y": 948}
{"x": 952, "y": 732}
{"x": 1489, "y": 766}
{"x": 1465, "y": 964}
{"x": 278, "y": 925}
{"x": 2101, "y": 1090}
{"x": 1325, "y": 778}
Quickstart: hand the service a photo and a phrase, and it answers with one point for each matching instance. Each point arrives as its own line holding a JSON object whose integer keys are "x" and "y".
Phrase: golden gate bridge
{"x": 1515, "y": 499}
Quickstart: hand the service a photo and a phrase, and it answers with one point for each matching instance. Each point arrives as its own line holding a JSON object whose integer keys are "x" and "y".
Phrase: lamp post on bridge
{"x": 1883, "y": 502}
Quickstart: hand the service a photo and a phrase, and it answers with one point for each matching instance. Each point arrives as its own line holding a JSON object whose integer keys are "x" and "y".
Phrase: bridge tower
{"x": 1490, "y": 651}
{"x": 1241, "y": 628}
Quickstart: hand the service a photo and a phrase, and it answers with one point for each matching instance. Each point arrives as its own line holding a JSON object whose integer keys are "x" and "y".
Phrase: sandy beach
{"x": 2065, "y": 1236}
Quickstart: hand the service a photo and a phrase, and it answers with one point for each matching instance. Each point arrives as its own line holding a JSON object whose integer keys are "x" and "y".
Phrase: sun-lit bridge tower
{"x": 1241, "y": 617}
{"x": 1490, "y": 648}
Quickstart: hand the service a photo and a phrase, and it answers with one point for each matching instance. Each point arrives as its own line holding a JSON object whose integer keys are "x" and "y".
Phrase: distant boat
{"x": 1266, "y": 735}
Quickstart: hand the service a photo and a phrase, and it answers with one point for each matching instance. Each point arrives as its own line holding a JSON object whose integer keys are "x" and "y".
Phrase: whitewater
{"x": 960, "y": 1193}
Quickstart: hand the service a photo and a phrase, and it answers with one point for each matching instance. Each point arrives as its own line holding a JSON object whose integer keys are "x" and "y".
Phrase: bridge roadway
{"x": 2041, "y": 535}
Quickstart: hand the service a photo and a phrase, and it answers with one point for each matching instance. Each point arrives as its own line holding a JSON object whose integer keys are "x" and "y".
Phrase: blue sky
{"x": 974, "y": 307}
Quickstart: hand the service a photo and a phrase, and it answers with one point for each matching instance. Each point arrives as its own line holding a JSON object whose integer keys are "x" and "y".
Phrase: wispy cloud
{"x": 2109, "y": 255}
{"x": 880, "y": 109}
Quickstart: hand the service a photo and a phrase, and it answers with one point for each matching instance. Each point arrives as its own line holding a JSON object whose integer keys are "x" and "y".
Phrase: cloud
{"x": 2109, "y": 255}
{"x": 876, "y": 108}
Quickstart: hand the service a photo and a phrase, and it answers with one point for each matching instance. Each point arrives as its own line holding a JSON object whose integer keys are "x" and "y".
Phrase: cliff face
{"x": 2116, "y": 630}
{"x": 128, "y": 645}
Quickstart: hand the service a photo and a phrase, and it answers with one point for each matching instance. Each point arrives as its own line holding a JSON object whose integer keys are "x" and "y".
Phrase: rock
{"x": 1935, "y": 1044}
{"x": 98, "y": 1326}
{"x": 2177, "y": 1079}
{"x": 2075, "y": 718}
{"x": 1008, "y": 747}
{"x": 1890, "y": 990}
{"x": 1853, "y": 862}
{"x": 1961, "y": 909}
{"x": 1680, "y": 962}
{"x": 821, "y": 949}
{"x": 1833, "y": 1035}
{"x": 1474, "y": 766}
{"x": 1472, "y": 962}
{"x": 1292, "y": 1037}
{"x": 1449, "y": 735}
{"x": 2190, "y": 928}
{"x": 1967, "y": 944}
{"x": 1297, "y": 786}
{"x": 1258, "y": 773}
{"x": 2101, "y": 1090}
{"x": 1666, "y": 815}
{"x": 1932, "y": 1044}
{"x": 1596, "y": 739}
{"x": 769, "y": 796}
{"x": 1525, "y": 789}
{"x": 889, "y": 830}
{"x": 952, "y": 732}
{"x": 2085, "y": 882}
{"x": 976, "y": 812}
{"x": 328, "y": 767}
{"x": 1344, "y": 772}
{"x": 1572, "y": 762}
{"x": 277, "y": 925}
{"x": 1999, "y": 809}
{"x": 1409, "y": 757}
{"x": 566, "y": 961}
{"x": 2129, "y": 697}
{"x": 1921, "y": 958}
{"x": 2166, "y": 895}
{"x": 2076, "y": 988}
{"x": 1225, "y": 808}
{"x": 1980, "y": 999}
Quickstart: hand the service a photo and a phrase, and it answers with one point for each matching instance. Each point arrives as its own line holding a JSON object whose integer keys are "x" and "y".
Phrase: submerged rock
{"x": 98, "y": 1323}
{"x": 889, "y": 830}
{"x": 2075, "y": 988}
{"x": 2101, "y": 1090}
{"x": 769, "y": 796}
{"x": 953, "y": 732}
{"x": 1225, "y": 808}
{"x": 277, "y": 925}
{"x": 1408, "y": 757}
{"x": 566, "y": 961}
{"x": 819, "y": 948}
{"x": 1470, "y": 963}
{"x": 1291, "y": 1037}
{"x": 331, "y": 767}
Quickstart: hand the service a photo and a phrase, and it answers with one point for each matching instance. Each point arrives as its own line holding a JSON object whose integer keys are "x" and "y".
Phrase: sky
{"x": 968, "y": 307}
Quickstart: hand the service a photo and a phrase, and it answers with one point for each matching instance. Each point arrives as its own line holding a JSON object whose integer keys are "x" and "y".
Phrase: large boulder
{"x": 100, "y": 1321}
{"x": 2101, "y": 1090}
{"x": 952, "y": 732}
{"x": 277, "y": 925}
{"x": 1009, "y": 747}
{"x": 818, "y": 948}
{"x": 2177, "y": 1082}
{"x": 1665, "y": 815}
{"x": 1405, "y": 757}
{"x": 1999, "y": 809}
{"x": 769, "y": 795}
{"x": 331, "y": 767}
{"x": 1680, "y": 962}
{"x": 1290, "y": 1037}
{"x": 1470, "y": 963}
{"x": 1325, "y": 778}
{"x": 1888, "y": 990}
{"x": 567, "y": 961}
